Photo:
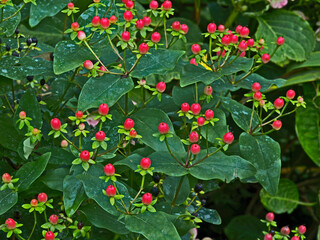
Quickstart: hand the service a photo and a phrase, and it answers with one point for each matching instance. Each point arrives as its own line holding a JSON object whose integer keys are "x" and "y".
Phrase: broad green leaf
{"x": 54, "y": 179}
{"x": 45, "y": 9}
{"x": 5, "y": 85}
{"x": 59, "y": 155}
{"x": 303, "y": 76}
{"x": 239, "y": 65}
{"x": 209, "y": 215}
{"x": 101, "y": 219}
{"x": 9, "y": 26}
{"x": 245, "y": 227}
{"x": 153, "y": 226}
{"x": 9, "y": 137}
{"x": 264, "y": 153}
{"x": 285, "y": 200}
{"x": 146, "y": 124}
{"x": 106, "y": 89}
{"x": 298, "y": 35}
{"x": 8, "y": 198}
{"x": 31, "y": 171}
{"x": 192, "y": 74}
{"x": 312, "y": 61}
{"x": 170, "y": 186}
{"x": 220, "y": 166}
{"x": 28, "y": 147}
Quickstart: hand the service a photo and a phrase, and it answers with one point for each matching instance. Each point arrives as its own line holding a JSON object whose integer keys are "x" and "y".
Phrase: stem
{"x": 126, "y": 104}
{"x": 250, "y": 72}
{"x": 124, "y": 113}
{"x": 149, "y": 100}
{"x": 134, "y": 65}
{"x": 196, "y": 86}
{"x": 2, "y": 20}
{"x": 173, "y": 42}
{"x": 232, "y": 17}
{"x": 109, "y": 8}
{"x": 80, "y": 141}
{"x": 187, "y": 161}
{"x": 100, "y": 126}
{"x": 250, "y": 126}
{"x": 205, "y": 157}
{"x": 70, "y": 143}
{"x": 45, "y": 216}
{"x": 207, "y": 144}
{"x": 210, "y": 53}
{"x": 20, "y": 237}
{"x": 113, "y": 47}
{"x": 166, "y": 141}
{"x": 165, "y": 30}
{"x": 177, "y": 192}
{"x": 11, "y": 109}
{"x": 140, "y": 190}
{"x": 124, "y": 61}
{"x": 120, "y": 198}
{"x": 34, "y": 225}
{"x": 192, "y": 200}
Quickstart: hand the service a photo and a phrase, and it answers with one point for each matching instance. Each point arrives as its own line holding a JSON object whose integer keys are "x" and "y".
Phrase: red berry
{"x": 195, "y": 108}
{"x": 228, "y": 138}
{"x": 128, "y": 124}
{"x": 193, "y": 137}
{"x": 234, "y": 39}
{"x": 184, "y": 107}
{"x": 256, "y": 87}
{"x": 155, "y": 37}
{"x": 127, "y": 15}
{"x": 146, "y": 20}
{"x": 35, "y": 132}
{"x": 280, "y": 41}
{"x": 34, "y": 202}
{"x": 42, "y": 197}
{"x": 193, "y": 61}
{"x": 265, "y": 58}
{"x": 22, "y": 115}
{"x": 295, "y": 238}
{"x": 238, "y": 29}
{"x": 75, "y": 26}
{"x": 195, "y": 149}
{"x": 225, "y": 40}
{"x": 70, "y": 6}
{"x": 270, "y": 216}
{"x": 113, "y": 19}
{"x": 302, "y": 229}
{"x": 125, "y": 36}
{"x": 96, "y": 1}
{"x": 250, "y": 42}
{"x": 102, "y": 71}
{"x": 285, "y": 230}
{"x": 200, "y": 121}
{"x": 209, "y": 114}
{"x": 11, "y": 224}
{"x": 129, "y": 4}
{"x": 103, "y": 109}
{"x": 139, "y": 24}
{"x": 64, "y": 143}
{"x": 95, "y": 21}
{"x": 243, "y": 46}
{"x": 257, "y": 96}
{"x": 147, "y": 198}
{"x": 100, "y": 136}
{"x": 195, "y": 48}
{"x": 176, "y": 26}
{"x": 79, "y": 115}
{"x": 6, "y": 178}
{"x": 268, "y": 236}
{"x": 88, "y": 64}
{"x": 161, "y": 87}
{"x": 53, "y": 219}
{"x": 124, "y": 1}
{"x": 166, "y": 5}
{"x": 185, "y": 28}
{"x": 163, "y": 128}
{"x": 145, "y": 163}
{"x": 109, "y": 170}
{"x": 111, "y": 191}
{"x": 133, "y": 133}
{"x": 223, "y": 53}
{"x": 55, "y": 124}
{"x": 242, "y": 54}
{"x": 291, "y": 94}
{"x": 153, "y": 5}
{"x": 221, "y": 28}
{"x": 49, "y": 236}
{"x": 104, "y": 23}
{"x": 143, "y": 48}
{"x": 278, "y": 103}
{"x": 244, "y": 32}
{"x": 211, "y": 28}
{"x": 85, "y": 156}
{"x": 207, "y": 90}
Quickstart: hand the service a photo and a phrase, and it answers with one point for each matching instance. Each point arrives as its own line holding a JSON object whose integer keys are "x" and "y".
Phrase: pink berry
{"x": 64, "y": 143}
{"x": 55, "y": 124}
{"x": 295, "y": 238}
{"x": 11, "y": 224}
{"x": 163, "y": 128}
{"x": 228, "y": 138}
{"x": 88, "y": 65}
{"x": 185, "y": 28}
{"x": 147, "y": 198}
{"x": 234, "y": 39}
{"x": 34, "y": 202}
{"x": 109, "y": 170}
{"x": 300, "y": 99}
{"x": 257, "y": 96}
{"x": 166, "y": 5}
{"x": 95, "y": 21}
{"x": 82, "y": 126}
{"x": 193, "y": 61}
{"x": 104, "y": 23}
{"x": 125, "y": 36}
{"x": 262, "y": 103}
{"x": 250, "y": 42}
{"x": 111, "y": 191}
{"x": 195, "y": 48}
{"x": 22, "y": 115}
{"x": 270, "y": 216}
{"x": 176, "y": 26}
{"x": 290, "y": 94}
{"x": 285, "y": 231}
{"x": 244, "y": 32}
{"x": 81, "y": 35}
{"x": 75, "y": 26}
{"x": 127, "y": 15}
{"x": 53, "y": 219}
{"x": 278, "y": 103}
{"x": 238, "y": 29}
{"x": 153, "y": 5}
{"x": 223, "y": 53}
{"x": 49, "y": 236}
{"x": 302, "y": 229}
{"x": 128, "y": 124}
{"x": 209, "y": 114}
{"x": 280, "y": 41}
{"x": 100, "y": 136}
{"x": 184, "y": 107}
{"x": 124, "y": 1}
{"x": 139, "y": 24}
{"x": 113, "y": 19}
{"x": 211, "y": 28}
{"x": 225, "y": 40}
{"x": 155, "y": 37}
{"x": 103, "y": 109}
{"x": 146, "y": 20}
{"x": 161, "y": 87}
{"x": 221, "y": 28}
{"x": 143, "y": 48}
{"x": 133, "y": 133}
{"x": 268, "y": 236}
{"x": 265, "y": 58}
{"x": 6, "y": 178}
{"x": 102, "y": 71}
{"x": 145, "y": 163}
{"x": 195, "y": 108}
{"x": 242, "y": 54}
{"x": 195, "y": 149}
{"x": 193, "y": 137}
{"x": 256, "y": 87}
{"x": 70, "y": 6}
{"x": 42, "y": 197}
{"x": 243, "y": 46}
{"x": 200, "y": 121}
{"x": 129, "y": 4}
{"x": 85, "y": 156}
{"x": 207, "y": 90}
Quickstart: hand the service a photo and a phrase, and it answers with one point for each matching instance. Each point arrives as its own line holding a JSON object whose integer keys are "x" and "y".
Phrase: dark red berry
{"x": 70, "y": 6}
{"x": 111, "y": 191}
{"x": 109, "y": 170}
{"x": 75, "y": 26}
{"x": 225, "y": 40}
{"x": 302, "y": 229}
{"x": 85, "y": 156}
{"x": 278, "y": 103}
{"x": 129, "y": 4}
{"x": 113, "y": 19}
{"x": 270, "y": 216}
{"x": 255, "y": 87}
{"x": 234, "y": 39}
{"x": 104, "y": 23}
{"x": 79, "y": 114}
{"x": 243, "y": 46}
{"x": 81, "y": 35}
{"x": 209, "y": 114}
{"x": 42, "y": 197}
{"x": 185, "y": 28}
{"x": 103, "y": 109}
{"x": 250, "y": 42}
{"x": 55, "y": 124}
{"x": 238, "y": 29}
{"x": 166, "y": 5}
{"x": 285, "y": 231}
{"x": 34, "y": 202}
{"x": 100, "y": 136}
{"x": 193, "y": 61}
{"x": 195, "y": 149}
{"x": 11, "y": 224}
{"x": 53, "y": 219}
{"x": 221, "y": 28}
{"x": 295, "y": 238}
{"x": 147, "y": 199}
{"x": 96, "y": 21}
{"x": 145, "y": 163}
{"x": 244, "y": 32}
{"x": 257, "y": 96}
{"x": 228, "y": 138}
{"x": 277, "y": 124}
{"x": 161, "y": 87}
{"x": 139, "y": 24}
{"x": 88, "y": 64}
{"x": 268, "y": 236}
{"x": 128, "y": 124}
{"x": 163, "y": 128}
{"x": 49, "y": 236}
{"x": 133, "y": 133}
{"x": 193, "y": 137}
{"x": 195, "y": 108}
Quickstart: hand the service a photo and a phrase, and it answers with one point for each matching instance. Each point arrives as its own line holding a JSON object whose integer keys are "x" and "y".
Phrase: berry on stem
{"x": 22, "y": 115}
{"x": 64, "y": 143}
{"x": 278, "y": 103}
{"x": 265, "y": 58}
{"x": 155, "y": 37}
{"x": 49, "y": 236}
{"x": 185, "y": 28}
{"x": 280, "y": 41}
{"x": 100, "y": 136}
{"x": 79, "y": 114}
{"x": 225, "y": 40}
{"x": 11, "y": 224}
{"x": 55, "y": 124}
{"x": 128, "y": 124}
{"x": 198, "y": 188}
{"x": 145, "y": 163}
{"x": 200, "y": 121}
{"x": 161, "y": 87}
{"x": 95, "y": 21}
{"x": 127, "y": 15}
{"x": 290, "y": 94}
{"x": 195, "y": 149}
{"x": 184, "y": 107}
{"x": 209, "y": 114}
{"x": 193, "y": 137}
{"x": 42, "y": 197}
{"x": 221, "y": 28}
{"x": 295, "y": 238}
{"x": 238, "y": 29}
{"x": 143, "y": 48}
{"x": 111, "y": 191}
{"x": 34, "y": 202}
{"x": 207, "y": 90}
{"x": 277, "y": 124}
{"x": 255, "y": 87}
{"x": 268, "y": 236}
{"x": 195, "y": 108}
{"x": 163, "y": 128}
{"x": 53, "y": 219}
{"x": 6, "y": 178}
{"x": 70, "y": 6}
{"x": 244, "y": 32}
{"x": 75, "y": 26}
{"x": 103, "y": 109}
{"x": 81, "y": 35}
{"x": 104, "y": 23}
{"x": 176, "y": 26}
{"x": 228, "y": 138}
{"x": 285, "y": 231}
{"x": 125, "y": 36}
{"x": 243, "y": 46}
{"x": 193, "y": 61}
{"x": 302, "y": 229}
{"x": 167, "y": 5}
{"x": 139, "y": 24}
{"x": 146, "y": 21}
{"x": 133, "y": 133}
{"x": 113, "y": 19}
{"x": 153, "y": 5}
{"x": 147, "y": 198}
{"x": 234, "y": 39}
{"x": 85, "y": 156}
{"x": 109, "y": 170}
{"x": 129, "y": 4}
{"x": 195, "y": 48}
{"x": 211, "y": 28}
{"x": 250, "y": 42}
{"x": 257, "y": 96}
{"x": 88, "y": 64}
{"x": 270, "y": 216}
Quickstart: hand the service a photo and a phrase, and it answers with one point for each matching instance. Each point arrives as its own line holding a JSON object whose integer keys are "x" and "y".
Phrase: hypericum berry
{"x": 95, "y": 21}
{"x": 139, "y": 24}
{"x": 302, "y": 229}
{"x": 244, "y": 32}
{"x": 128, "y": 124}
{"x": 155, "y": 191}
{"x": 82, "y": 126}
{"x": 193, "y": 137}
{"x": 49, "y": 236}
{"x": 268, "y": 236}
{"x": 195, "y": 48}
{"x": 103, "y": 71}
{"x": 75, "y": 26}
{"x": 211, "y": 28}
{"x": 207, "y": 90}
{"x": 143, "y": 48}
{"x": 209, "y": 114}
{"x": 6, "y": 178}
{"x": 200, "y": 121}
{"x": 22, "y": 115}
{"x": 167, "y": 5}
{"x": 111, "y": 191}
{"x": 125, "y": 36}
{"x": 234, "y": 39}
{"x": 142, "y": 82}
{"x": 185, "y": 28}
{"x": 276, "y": 125}
{"x": 238, "y": 29}
{"x": 221, "y": 28}
{"x": 85, "y": 156}
{"x": 257, "y": 96}
{"x": 225, "y": 40}
{"x": 195, "y": 108}
{"x": 176, "y": 26}
{"x": 88, "y": 64}
{"x": 250, "y": 42}
{"x": 163, "y": 128}
{"x": 147, "y": 198}
{"x": 193, "y": 61}
{"x": 243, "y": 54}
{"x": 255, "y": 87}
{"x": 290, "y": 94}
{"x": 153, "y": 5}
{"x": 42, "y": 197}
{"x": 96, "y": 1}
{"x": 278, "y": 103}
{"x": 195, "y": 149}
{"x": 35, "y": 131}
{"x": 30, "y": 78}
{"x": 129, "y": 4}
{"x": 113, "y": 19}
{"x": 155, "y": 37}
{"x": 81, "y": 35}
{"x": 262, "y": 103}
{"x": 272, "y": 232}
{"x": 127, "y": 15}
{"x": 104, "y": 23}
{"x": 79, "y": 114}
{"x": 145, "y": 163}
{"x": 11, "y": 224}
{"x": 270, "y": 216}
{"x": 295, "y": 238}
{"x": 100, "y": 136}
{"x": 223, "y": 53}
{"x": 300, "y": 99}
{"x": 228, "y": 138}
{"x": 70, "y": 6}
{"x": 161, "y": 87}
{"x": 53, "y": 219}
{"x": 285, "y": 231}
{"x": 124, "y": 1}
{"x": 34, "y": 202}
{"x": 184, "y": 107}
{"x": 265, "y": 58}
{"x": 280, "y": 41}
{"x": 55, "y": 124}
{"x": 64, "y": 143}
{"x": 198, "y": 187}
{"x": 156, "y": 178}
{"x": 146, "y": 21}
{"x": 133, "y": 133}
{"x": 242, "y": 46}
{"x": 103, "y": 109}
{"x": 109, "y": 170}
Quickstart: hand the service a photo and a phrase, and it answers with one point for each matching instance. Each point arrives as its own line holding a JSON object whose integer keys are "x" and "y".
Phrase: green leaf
{"x": 8, "y": 198}
{"x": 59, "y": 156}
{"x": 28, "y": 147}
{"x": 45, "y": 9}
{"x": 312, "y": 61}
{"x": 264, "y": 153}
{"x": 245, "y": 227}
{"x": 170, "y": 186}
{"x": 285, "y": 200}
{"x": 298, "y": 43}
{"x": 55, "y": 178}
{"x": 106, "y": 89}
{"x": 146, "y": 124}
{"x": 153, "y": 226}
{"x": 9, "y": 137}
{"x": 101, "y": 219}
{"x": 239, "y": 65}
{"x": 9, "y": 26}
{"x": 303, "y": 77}
{"x": 192, "y": 74}
{"x": 5, "y": 85}
{"x": 209, "y": 215}
{"x": 31, "y": 171}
